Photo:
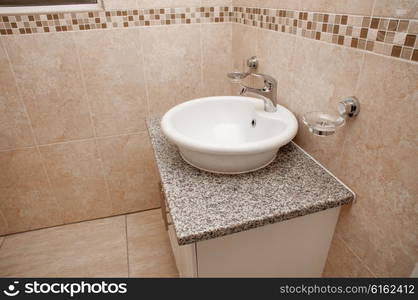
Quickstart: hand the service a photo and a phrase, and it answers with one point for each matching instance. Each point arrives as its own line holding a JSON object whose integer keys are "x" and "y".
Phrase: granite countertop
{"x": 205, "y": 205}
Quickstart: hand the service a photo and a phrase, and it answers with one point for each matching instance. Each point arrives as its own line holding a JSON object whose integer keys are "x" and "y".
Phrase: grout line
{"x": 144, "y": 66}
{"x": 127, "y": 246}
{"x": 2, "y": 241}
{"x": 356, "y": 87}
{"x": 16, "y": 149}
{"x": 139, "y": 211}
{"x": 106, "y": 180}
{"x": 197, "y": 260}
{"x": 83, "y": 83}
{"x": 19, "y": 92}
{"x": 356, "y": 256}
{"x": 82, "y": 221}
{"x": 140, "y": 55}
{"x": 6, "y": 223}
{"x": 257, "y": 38}
{"x": 92, "y": 124}
{"x": 373, "y": 8}
{"x": 201, "y": 53}
{"x": 202, "y": 89}
{"x": 77, "y": 140}
{"x": 230, "y": 58}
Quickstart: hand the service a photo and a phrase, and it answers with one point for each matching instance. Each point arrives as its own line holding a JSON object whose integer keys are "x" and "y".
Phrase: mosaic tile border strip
{"x": 42, "y": 23}
{"x": 387, "y": 36}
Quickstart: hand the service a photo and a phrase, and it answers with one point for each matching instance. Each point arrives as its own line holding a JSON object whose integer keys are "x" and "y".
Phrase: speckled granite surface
{"x": 205, "y": 205}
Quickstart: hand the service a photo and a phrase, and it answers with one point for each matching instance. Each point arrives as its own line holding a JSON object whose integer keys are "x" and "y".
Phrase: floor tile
{"x": 149, "y": 247}
{"x": 88, "y": 249}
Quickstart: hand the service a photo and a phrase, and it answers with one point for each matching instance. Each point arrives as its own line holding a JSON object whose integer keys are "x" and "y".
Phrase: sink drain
{"x": 253, "y": 123}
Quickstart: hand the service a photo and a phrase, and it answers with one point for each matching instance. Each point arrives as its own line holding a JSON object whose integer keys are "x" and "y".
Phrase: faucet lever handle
{"x": 268, "y": 85}
{"x": 243, "y": 90}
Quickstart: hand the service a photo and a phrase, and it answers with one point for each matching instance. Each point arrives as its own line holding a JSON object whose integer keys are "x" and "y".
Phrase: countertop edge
{"x": 257, "y": 223}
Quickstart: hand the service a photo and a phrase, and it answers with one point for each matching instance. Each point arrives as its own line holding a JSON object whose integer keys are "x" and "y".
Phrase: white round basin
{"x": 228, "y": 134}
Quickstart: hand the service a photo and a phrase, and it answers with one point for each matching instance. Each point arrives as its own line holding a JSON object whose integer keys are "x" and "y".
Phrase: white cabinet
{"x": 293, "y": 248}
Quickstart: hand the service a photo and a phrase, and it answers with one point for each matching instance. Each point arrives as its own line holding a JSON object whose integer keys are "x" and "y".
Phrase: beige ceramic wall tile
{"x": 244, "y": 45}
{"x": 112, "y": 66}
{"x": 167, "y": 3}
{"x": 130, "y": 170}
{"x": 149, "y": 247}
{"x": 380, "y": 228}
{"x": 119, "y": 4}
{"x": 326, "y": 150}
{"x": 359, "y": 7}
{"x": 216, "y": 3}
{"x": 26, "y": 200}
{"x": 275, "y": 53}
{"x": 406, "y": 9}
{"x": 322, "y": 76}
{"x": 14, "y": 126}
{"x": 247, "y": 3}
{"x": 77, "y": 179}
{"x": 172, "y": 65}
{"x": 89, "y": 249}
{"x": 343, "y": 263}
{"x": 49, "y": 77}
{"x": 284, "y": 4}
{"x": 216, "y": 58}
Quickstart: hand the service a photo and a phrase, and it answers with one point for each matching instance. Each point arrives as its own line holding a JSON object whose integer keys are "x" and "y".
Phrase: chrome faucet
{"x": 268, "y": 93}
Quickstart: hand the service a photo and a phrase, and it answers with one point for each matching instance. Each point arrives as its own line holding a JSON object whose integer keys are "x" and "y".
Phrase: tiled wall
{"x": 375, "y": 154}
{"x": 73, "y": 142}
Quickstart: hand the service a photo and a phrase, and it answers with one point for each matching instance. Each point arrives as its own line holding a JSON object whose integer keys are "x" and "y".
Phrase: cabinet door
{"x": 293, "y": 248}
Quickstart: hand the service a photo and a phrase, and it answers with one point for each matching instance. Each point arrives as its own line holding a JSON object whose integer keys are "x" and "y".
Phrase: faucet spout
{"x": 267, "y": 93}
